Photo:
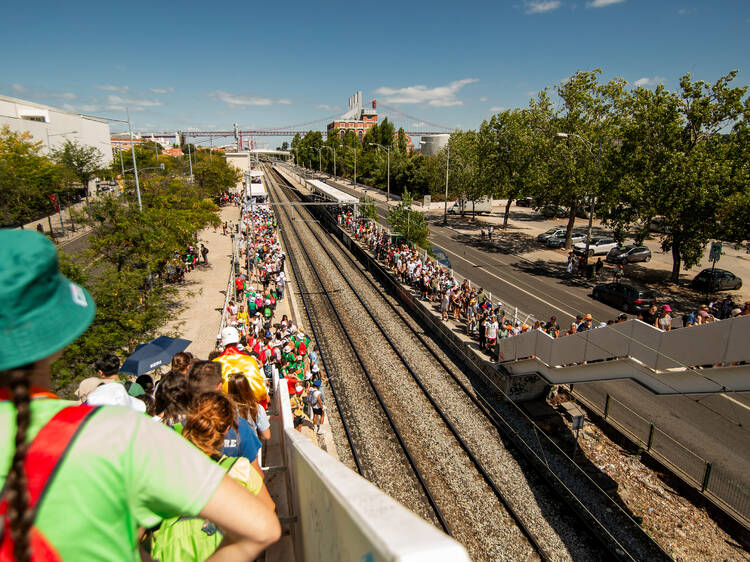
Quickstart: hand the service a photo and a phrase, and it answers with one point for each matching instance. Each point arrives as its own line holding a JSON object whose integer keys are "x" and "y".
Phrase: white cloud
{"x": 162, "y": 90}
{"x": 235, "y": 100}
{"x": 649, "y": 81}
{"x": 18, "y": 88}
{"x": 483, "y": 99}
{"x": 326, "y": 107}
{"x": 497, "y": 108}
{"x": 112, "y": 88}
{"x": 68, "y": 107}
{"x": 89, "y": 107}
{"x": 540, "y": 6}
{"x": 135, "y": 102}
{"x": 603, "y": 3}
{"x": 440, "y": 96}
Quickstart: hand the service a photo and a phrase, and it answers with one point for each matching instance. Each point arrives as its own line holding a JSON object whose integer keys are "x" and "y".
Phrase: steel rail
{"x": 386, "y": 410}
{"x": 481, "y": 402}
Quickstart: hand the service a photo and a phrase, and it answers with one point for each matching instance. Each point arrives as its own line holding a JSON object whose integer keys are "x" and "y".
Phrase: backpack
{"x": 188, "y": 538}
{"x": 43, "y": 459}
{"x": 312, "y": 398}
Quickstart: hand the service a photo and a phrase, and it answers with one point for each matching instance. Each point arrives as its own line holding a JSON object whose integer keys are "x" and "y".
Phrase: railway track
{"x": 459, "y": 453}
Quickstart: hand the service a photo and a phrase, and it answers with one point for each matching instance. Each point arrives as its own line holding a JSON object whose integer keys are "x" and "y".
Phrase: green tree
{"x": 685, "y": 170}
{"x": 368, "y": 209}
{"x": 27, "y": 179}
{"x": 466, "y": 177}
{"x": 409, "y": 223}
{"x": 84, "y": 162}
{"x": 215, "y": 176}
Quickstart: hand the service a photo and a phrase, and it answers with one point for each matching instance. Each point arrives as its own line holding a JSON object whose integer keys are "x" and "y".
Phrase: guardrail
{"x": 342, "y": 516}
{"x": 230, "y": 285}
{"x": 712, "y": 481}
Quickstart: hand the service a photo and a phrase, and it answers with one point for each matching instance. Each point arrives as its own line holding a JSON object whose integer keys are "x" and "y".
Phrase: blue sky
{"x": 205, "y": 65}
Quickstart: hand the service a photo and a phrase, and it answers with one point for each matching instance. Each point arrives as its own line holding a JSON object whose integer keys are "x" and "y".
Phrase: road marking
{"x": 736, "y": 401}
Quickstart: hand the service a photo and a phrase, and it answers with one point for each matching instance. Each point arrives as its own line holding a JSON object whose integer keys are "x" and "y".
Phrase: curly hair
{"x": 172, "y": 398}
{"x": 210, "y": 417}
{"x": 238, "y": 388}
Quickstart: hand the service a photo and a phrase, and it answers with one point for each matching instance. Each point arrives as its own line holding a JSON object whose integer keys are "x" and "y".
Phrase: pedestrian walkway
{"x": 202, "y": 294}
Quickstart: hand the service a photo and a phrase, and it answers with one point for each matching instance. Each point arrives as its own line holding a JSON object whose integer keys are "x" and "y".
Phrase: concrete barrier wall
{"x": 707, "y": 344}
{"x": 342, "y": 516}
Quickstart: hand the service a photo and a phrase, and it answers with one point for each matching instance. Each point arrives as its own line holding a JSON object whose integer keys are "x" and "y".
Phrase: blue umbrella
{"x": 149, "y": 356}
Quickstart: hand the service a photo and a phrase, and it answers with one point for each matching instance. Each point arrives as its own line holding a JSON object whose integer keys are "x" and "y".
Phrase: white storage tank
{"x": 433, "y": 144}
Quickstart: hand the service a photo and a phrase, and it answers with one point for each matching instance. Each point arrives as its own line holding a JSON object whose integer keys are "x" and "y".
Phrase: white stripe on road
{"x": 555, "y": 307}
{"x": 735, "y": 401}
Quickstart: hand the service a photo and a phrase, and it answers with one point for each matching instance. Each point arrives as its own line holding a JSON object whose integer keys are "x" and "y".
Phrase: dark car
{"x": 625, "y": 296}
{"x": 441, "y": 257}
{"x": 710, "y": 280}
{"x": 552, "y": 211}
{"x": 525, "y": 202}
{"x": 629, "y": 254}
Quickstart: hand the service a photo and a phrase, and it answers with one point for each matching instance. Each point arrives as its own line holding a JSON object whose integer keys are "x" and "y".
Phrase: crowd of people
{"x": 486, "y": 321}
{"x": 173, "y": 473}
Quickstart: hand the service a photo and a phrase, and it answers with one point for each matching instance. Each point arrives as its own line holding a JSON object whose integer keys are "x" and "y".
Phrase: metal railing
{"x": 230, "y": 285}
{"x": 712, "y": 481}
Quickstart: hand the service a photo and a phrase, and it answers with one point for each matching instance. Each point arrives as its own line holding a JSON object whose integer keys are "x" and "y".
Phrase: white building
{"x": 53, "y": 126}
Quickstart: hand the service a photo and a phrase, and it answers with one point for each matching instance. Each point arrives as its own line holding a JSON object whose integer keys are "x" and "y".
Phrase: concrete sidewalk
{"x": 51, "y": 225}
{"x": 202, "y": 294}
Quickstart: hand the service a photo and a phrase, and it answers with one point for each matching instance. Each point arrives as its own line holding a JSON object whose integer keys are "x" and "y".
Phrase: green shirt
{"x": 123, "y": 470}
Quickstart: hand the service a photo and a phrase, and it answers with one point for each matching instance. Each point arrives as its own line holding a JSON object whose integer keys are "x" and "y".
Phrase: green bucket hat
{"x": 41, "y": 311}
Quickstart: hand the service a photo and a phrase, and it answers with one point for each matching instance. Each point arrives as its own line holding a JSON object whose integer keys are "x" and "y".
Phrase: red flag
{"x": 53, "y": 198}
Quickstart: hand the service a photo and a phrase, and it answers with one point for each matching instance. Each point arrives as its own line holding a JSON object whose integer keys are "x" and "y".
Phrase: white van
{"x": 480, "y": 206}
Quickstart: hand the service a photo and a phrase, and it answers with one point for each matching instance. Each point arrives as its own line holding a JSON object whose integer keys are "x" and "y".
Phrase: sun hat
{"x": 588, "y": 317}
{"x": 316, "y": 382}
{"x": 229, "y": 335}
{"x": 88, "y": 386}
{"x": 736, "y": 312}
{"x": 666, "y": 308}
{"x": 41, "y": 311}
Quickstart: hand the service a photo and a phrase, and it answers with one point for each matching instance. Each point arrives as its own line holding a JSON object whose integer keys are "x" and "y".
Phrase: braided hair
{"x": 19, "y": 515}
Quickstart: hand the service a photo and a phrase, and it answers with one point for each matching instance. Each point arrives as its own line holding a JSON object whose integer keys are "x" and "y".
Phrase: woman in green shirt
{"x": 119, "y": 470}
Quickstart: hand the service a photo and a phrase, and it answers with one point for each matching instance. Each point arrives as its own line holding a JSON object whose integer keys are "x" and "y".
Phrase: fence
{"x": 233, "y": 270}
{"x": 712, "y": 481}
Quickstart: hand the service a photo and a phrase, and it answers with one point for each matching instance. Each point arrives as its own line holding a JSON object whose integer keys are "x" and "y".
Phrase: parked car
{"x": 441, "y": 257}
{"x": 710, "y": 280}
{"x": 658, "y": 224}
{"x": 626, "y": 296}
{"x": 554, "y": 231}
{"x": 629, "y": 254}
{"x": 597, "y": 246}
{"x": 552, "y": 211}
{"x": 525, "y": 202}
{"x": 559, "y": 241}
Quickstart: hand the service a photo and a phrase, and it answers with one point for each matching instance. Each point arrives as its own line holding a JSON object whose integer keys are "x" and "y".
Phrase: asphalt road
{"x": 716, "y": 427}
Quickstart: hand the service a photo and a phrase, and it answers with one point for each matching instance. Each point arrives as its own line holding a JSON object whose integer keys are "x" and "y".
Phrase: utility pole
{"x": 447, "y": 161}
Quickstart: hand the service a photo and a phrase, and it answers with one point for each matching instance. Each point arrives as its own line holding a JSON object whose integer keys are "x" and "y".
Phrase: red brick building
{"x": 358, "y": 119}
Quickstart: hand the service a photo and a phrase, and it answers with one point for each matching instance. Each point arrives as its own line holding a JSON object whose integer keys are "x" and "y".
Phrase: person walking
{"x": 204, "y": 253}
{"x": 120, "y": 468}
{"x": 315, "y": 400}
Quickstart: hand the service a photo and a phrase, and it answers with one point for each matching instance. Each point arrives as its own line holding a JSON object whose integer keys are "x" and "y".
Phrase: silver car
{"x": 559, "y": 241}
{"x": 598, "y": 246}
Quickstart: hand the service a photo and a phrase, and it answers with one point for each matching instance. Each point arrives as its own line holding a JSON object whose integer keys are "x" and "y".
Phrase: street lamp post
{"x": 58, "y": 200}
{"x": 447, "y": 162}
{"x": 190, "y": 161}
{"x": 590, "y": 148}
{"x": 135, "y": 164}
{"x": 388, "y": 155}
